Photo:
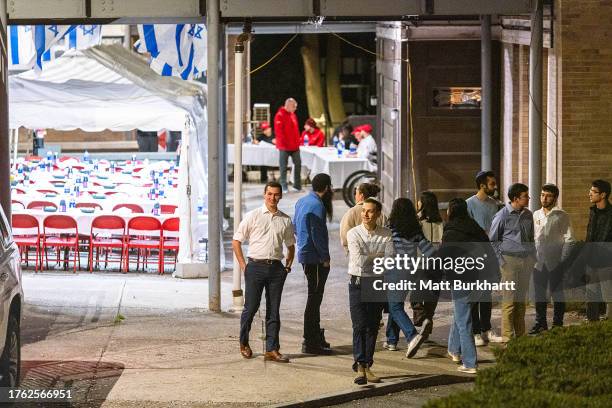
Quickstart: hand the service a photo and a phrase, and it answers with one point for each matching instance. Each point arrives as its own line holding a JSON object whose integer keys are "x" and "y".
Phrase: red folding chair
{"x": 64, "y": 234}
{"x": 24, "y": 236}
{"x": 143, "y": 234}
{"x": 88, "y": 205}
{"x": 168, "y": 208}
{"x": 40, "y": 205}
{"x": 169, "y": 243}
{"x": 134, "y": 207}
{"x": 18, "y": 190}
{"x": 17, "y": 202}
{"x": 46, "y": 191}
{"x": 107, "y": 232}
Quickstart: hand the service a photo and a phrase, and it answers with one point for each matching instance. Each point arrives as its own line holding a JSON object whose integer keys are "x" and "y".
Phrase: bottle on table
{"x": 86, "y": 156}
{"x": 340, "y": 148}
{"x": 62, "y": 205}
{"x": 353, "y": 149}
{"x": 156, "y": 209}
{"x": 335, "y": 141}
{"x": 305, "y": 140}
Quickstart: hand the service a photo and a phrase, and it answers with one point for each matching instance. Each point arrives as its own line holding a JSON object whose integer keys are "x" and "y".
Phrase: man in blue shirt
{"x": 482, "y": 207}
{"x": 512, "y": 237}
{"x": 313, "y": 253}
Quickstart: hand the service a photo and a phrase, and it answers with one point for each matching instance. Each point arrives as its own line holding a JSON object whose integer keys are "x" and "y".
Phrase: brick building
{"x": 444, "y": 151}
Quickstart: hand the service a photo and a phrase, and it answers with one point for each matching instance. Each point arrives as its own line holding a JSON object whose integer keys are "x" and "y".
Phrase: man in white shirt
{"x": 366, "y": 149}
{"x": 552, "y": 233}
{"x": 366, "y": 242}
{"x": 266, "y": 229}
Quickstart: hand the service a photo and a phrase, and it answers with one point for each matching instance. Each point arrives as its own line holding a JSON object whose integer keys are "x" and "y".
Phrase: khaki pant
{"x": 514, "y": 302}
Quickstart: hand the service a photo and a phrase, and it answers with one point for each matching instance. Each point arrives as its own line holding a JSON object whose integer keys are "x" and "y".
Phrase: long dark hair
{"x": 457, "y": 208}
{"x": 429, "y": 207}
{"x": 403, "y": 218}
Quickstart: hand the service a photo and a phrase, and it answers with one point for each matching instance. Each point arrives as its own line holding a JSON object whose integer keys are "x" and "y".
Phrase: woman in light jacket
{"x": 408, "y": 239}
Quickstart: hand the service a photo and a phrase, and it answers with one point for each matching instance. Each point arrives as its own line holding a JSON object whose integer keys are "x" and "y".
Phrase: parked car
{"x": 11, "y": 300}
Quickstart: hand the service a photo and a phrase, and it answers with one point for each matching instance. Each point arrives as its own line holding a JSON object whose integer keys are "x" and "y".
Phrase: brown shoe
{"x": 246, "y": 351}
{"x": 275, "y": 356}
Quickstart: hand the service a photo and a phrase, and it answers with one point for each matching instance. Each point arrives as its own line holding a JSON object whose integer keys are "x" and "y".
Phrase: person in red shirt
{"x": 287, "y": 134}
{"x": 316, "y": 137}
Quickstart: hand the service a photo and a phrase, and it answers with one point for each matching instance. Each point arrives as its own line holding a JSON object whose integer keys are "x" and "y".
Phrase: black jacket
{"x": 463, "y": 238}
{"x": 600, "y": 224}
{"x": 599, "y": 237}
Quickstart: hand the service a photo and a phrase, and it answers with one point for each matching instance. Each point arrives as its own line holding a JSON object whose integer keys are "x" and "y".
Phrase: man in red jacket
{"x": 287, "y": 134}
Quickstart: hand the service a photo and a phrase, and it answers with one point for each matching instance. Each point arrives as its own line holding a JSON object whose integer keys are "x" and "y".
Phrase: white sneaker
{"x": 467, "y": 370}
{"x": 455, "y": 357}
{"x": 390, "y": 347}
{"x": 414, "y": 345}
{"x": 491, "y": 337}
{"x": 295, "y": 190}
{"x": 478, "y": 340}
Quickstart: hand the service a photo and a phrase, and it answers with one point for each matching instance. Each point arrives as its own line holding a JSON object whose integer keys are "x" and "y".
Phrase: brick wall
{"x": 584, "y": 34}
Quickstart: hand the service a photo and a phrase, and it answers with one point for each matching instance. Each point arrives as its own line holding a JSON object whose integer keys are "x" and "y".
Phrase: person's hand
{"x": 242, "y": 266}
{"x": 287, "y": 269}
{"x": 326, "y": 264}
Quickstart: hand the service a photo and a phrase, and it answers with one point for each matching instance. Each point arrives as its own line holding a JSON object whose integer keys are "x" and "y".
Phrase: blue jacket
{"x": 311, "y": 230}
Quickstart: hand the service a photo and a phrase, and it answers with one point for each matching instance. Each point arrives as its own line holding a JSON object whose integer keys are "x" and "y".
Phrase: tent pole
{"x": 214, "y": 179}
{"x": 15, "y": 145}
{"x": 238, "y": 124}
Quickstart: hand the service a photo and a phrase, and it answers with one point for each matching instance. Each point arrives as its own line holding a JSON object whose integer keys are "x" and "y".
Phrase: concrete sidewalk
{"x": 192, "y": 358}
{"x": 170, "y": 351}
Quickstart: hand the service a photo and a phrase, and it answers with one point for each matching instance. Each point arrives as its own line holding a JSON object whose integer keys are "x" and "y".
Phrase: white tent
{"x": 109, "y": 87}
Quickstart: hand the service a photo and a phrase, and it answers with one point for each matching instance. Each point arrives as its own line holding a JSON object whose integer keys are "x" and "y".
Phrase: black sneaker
{"x": 324, "y": 343}
{"x": 317, "y": 350}
{"x": 537, "y": 329}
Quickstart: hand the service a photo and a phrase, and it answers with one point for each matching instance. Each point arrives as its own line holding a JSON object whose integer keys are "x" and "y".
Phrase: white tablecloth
{"x": 315, "y": 159}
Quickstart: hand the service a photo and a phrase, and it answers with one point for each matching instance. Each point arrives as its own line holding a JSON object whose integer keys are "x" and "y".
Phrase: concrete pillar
{"x": 551, "y": 119}
{"x": 238, "y": 300}
{"x": 535, "y": 105}
{"x": 5, "y": 154}
{"x": 214, "y": 179}
{"x": 487, "y": 92}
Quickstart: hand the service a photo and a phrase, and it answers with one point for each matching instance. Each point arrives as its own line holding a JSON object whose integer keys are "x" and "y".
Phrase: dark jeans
{"x": 147, "y": 141}
{"x": 263, "y": 174}
{"x": 423, "y": 305}
{"x": 316, "y": 275}
{"x": 481, "y": 314}
{"x": 398, "y": 318}
{"x": 297, "y": 168}
{"x": 257, "y": 277}
{"x": 548, "y": 284}
{"x": 172, "y": 140}
{"x": 365, "y": 317}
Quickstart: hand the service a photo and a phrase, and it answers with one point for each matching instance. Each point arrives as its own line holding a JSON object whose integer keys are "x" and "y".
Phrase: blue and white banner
{"x": 21, "y": 51}
{"x": 46, "y": 36}
{"x": 84, "y": 36}
{"x": 176, "y": 49}
{"x": 30, "y": 46}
